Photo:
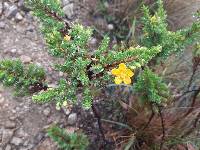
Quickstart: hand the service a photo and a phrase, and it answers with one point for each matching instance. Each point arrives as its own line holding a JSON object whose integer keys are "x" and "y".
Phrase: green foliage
{"x": 50, "y": 14}
{"x": 22, "y": 77}
{"x": 68, "y": 141}
{"x": 88, "y": 71}
{"x": 152, "y": 88}
{"x": 196, "y": 52}
{"x": 156, "y": 32}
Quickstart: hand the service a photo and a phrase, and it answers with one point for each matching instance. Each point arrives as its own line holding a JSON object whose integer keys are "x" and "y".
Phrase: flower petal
{"x": 129, "y": 72}
{"x": 118, "y": 80}
{"x": 122, "y": 66}
{"x": 67, "y": 37}
{"x": 127, "y": 80}
{"x": 115, "y": 72}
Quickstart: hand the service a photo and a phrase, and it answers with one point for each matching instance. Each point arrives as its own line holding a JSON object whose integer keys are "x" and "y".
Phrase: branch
{"x": 163, "y": 127}
{"x": 193, "y": 102}
{"x": 150, "y": 118}
{"x": 98, "y": 117}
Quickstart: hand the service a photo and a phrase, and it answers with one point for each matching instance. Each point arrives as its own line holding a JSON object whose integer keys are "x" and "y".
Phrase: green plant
{"x": 156, "y": 32}
{"x": 152, "y": 88}
{"x": 88, "y": 71}
{"x": 25, "y": 78}
{"x": 68, "y": 141}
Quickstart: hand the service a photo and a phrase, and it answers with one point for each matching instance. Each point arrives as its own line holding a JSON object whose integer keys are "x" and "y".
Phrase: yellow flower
{"x": 123, "y": 74}
{"x": 67, "y": 37}
{"x": 153, "y": 19}
{"x": 146, "y": 34}
{"x": 64, "y": 103}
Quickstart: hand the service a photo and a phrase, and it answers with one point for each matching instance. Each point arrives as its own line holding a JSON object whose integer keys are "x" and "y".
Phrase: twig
{"x": 150, "y": 119}
{"x": 118, "y": 123}
{"x": 192, "y": 77}
{"x": 98, "y": 117}
{"x": 163, "y": 127}
{"x": 193, "y": 102}
{"x": 186, "y": 92}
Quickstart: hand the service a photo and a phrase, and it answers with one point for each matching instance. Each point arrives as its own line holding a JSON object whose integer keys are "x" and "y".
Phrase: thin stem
{"x": 118, "y": 123}
{"x": 150, "y": 119}
{"x": 163, "y": 127}
{"x": 193, "y": 102}
{"x": 98, "y": 117}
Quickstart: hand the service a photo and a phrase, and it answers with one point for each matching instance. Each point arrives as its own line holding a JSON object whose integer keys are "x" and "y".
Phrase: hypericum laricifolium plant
{"x": 90, "y": 70}
{"x": 151, "y": 88}
{"x": 68, "y": 141}
{"x": 25, "y": 78}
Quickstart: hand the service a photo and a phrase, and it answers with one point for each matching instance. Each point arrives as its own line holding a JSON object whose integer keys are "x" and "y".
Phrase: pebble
{"x": 93, "y": 41}
{"x": 25, "y": 59}
{"x": 13, "y": 51}
{"x": 1, "y": 99}
{"x": 18, "y": 17}
{"x": 11, "y": 11}
{"x": 110, "y": 26}
{"x": 2, "y": 25}
{"x": 21, "y": 133}
{"x": 8, "y": 147}
{"x": 16, "y": 141}
{"x": 61, "y": 74}
{"x": 7, "y": 134}
{"x": 47, "y": 111}
{"x": 65, "y": 2}
{"x": 39, "y": 137}
{"x": 66, "y": 111}
{"x": 10, "y": 124}
{"x": 68, "y": 10}
{"x": 22, "y": 6}
{"x": 72, "y": 119}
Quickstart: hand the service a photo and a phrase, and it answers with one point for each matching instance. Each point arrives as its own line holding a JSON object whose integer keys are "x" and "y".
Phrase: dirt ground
{"x": 22, "y": 122}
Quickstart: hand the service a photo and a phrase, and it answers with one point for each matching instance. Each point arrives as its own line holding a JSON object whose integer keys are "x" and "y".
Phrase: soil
{"x": 23, "y": 123}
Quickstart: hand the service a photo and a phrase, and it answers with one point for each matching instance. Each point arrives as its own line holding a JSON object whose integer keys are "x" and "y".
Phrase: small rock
{"x": 65, "y": 2}
{"x": 26, "y": 143}
{"x": 110, "y": 26}
{"x": 72, "y": 118}
{"x": 11, "y": 12}
{"x": 61, "y": 74}
{"x": 16, "y": 141}
{"x": 8, "y": 147}
{"x": 1, "y": 99}
{"x": 18, "y": 17}
{"x": 93, "y": 41}
{"x": 10, "y": 124}
{"x": 39, "y": 137}
{"x": 47, "y": 111}
{"x": 22, "y": 6}
{"x": 25, "y": 59}
{"x": 21, "y": 133}
{"x": 66, "y": 111}
{"x": 30, "y": 28}
{"x": 106, "y": 4}
{"x": 13, "y": 51}
{"x": 7, "y": 134}
{"x": 2, "y": 25}
{"x": 68, "y": 10}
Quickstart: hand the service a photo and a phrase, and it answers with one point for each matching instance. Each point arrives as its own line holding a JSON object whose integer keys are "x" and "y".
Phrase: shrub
{"x": 68, "y": 141}
{"x": 88, "y": 71}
